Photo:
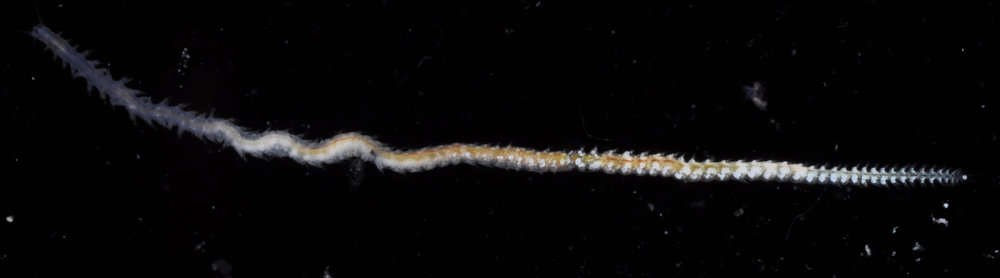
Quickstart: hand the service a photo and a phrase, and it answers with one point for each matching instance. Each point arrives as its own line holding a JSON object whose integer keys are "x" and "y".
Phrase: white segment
{"x": 683, "y": 172}
{"x": 799, "y": 173}
{"x": 696, "y": 174}
{"x": 667, "y": 170}
{"x": 655, "y": 169}
{"x": 741, "y": 170}
{"x": 755, "y": 171}
{"x": 711, "y": 173}
{"x": 784, "y": 171}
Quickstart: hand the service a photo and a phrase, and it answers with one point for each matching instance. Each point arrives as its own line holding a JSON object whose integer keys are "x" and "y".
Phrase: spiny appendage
{"x": 691, "y": 171}
{"x": 882, "y": 176}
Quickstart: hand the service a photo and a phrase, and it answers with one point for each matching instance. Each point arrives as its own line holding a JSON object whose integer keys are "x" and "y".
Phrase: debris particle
{"x": 941, "y": 221}
{"x": 756, "y": 93}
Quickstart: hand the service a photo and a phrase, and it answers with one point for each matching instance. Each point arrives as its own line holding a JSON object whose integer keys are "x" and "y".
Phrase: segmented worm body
{"x": 355, "y": 145}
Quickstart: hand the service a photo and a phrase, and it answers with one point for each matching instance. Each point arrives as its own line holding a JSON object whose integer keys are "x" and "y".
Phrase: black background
{"x": 86, "y": 190}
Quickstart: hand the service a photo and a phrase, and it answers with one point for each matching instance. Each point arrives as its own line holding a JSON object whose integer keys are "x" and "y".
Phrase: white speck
{"x": 200, "y": 246}
{"x": 917, "y": 247}
{"x": 962, "y": 49}
{"x": 992, "y": 255}
{"x": 738, "y": 212}
{"x": 836, "y": 147}
{"x": 137, "y": 156}
{"x": 10, "y": 219}
{"x": 945, "y": 205}
{"x": 223, "y": 267}
{"x": 651, "y": 206}
{"x": 941, "y": 221}
{"x": 32, "y": 78}
{"x": 613, "y": 32}
{"x": 666, "y": 232}
{"x": 539, "y": 4}
{"x": 59, "y": 6}
{"x": 868, "y": 251}
{"x": 894, "y": 228}
{"x": 756, "y": 93}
